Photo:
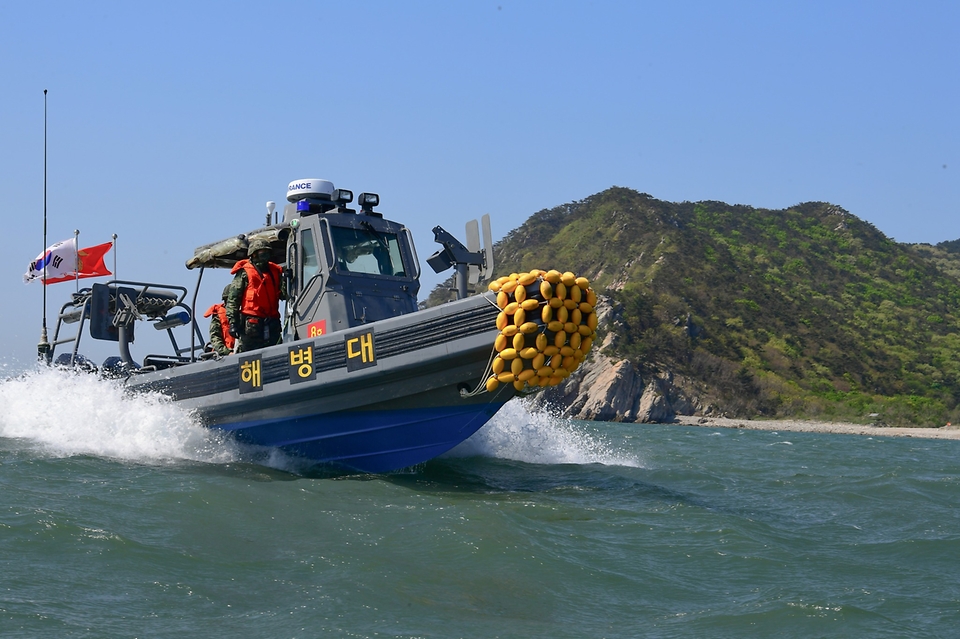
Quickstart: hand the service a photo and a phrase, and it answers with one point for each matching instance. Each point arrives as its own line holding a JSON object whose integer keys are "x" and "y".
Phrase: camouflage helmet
{"x": 257, "y": 245}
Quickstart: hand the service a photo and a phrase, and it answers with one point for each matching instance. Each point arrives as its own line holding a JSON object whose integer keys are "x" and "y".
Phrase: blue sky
{"x": 171, "y": 124}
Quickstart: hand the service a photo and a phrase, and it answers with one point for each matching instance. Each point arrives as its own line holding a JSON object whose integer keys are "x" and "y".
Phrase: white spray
{"x": 517, "y": 433}
{"x": 61, "y": 413}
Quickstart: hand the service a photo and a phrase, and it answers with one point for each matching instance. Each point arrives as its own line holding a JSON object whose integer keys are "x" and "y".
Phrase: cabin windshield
{"x": 367, "y": 251}
{"x": 311, "y": 262}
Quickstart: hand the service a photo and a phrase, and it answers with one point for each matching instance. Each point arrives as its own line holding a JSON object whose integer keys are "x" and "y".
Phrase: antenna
{"x": 271, "y": 206}
{"x": 487, "y": 247}
{"x": 76, "y": 258}
{"x": 473, "y": 245}
{"x": 115, "y": 276}
{"x": 484, "y": 271}
{"x": 43, "y": 348}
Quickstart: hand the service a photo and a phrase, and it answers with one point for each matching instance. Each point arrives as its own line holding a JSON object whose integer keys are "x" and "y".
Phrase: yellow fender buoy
{"x": 546, "y": 290}
{"x": 561, "y": 333}
{"x": 529, "y": 328}
{"x": 527, "y": 279}
{"x": 530, "y": 304}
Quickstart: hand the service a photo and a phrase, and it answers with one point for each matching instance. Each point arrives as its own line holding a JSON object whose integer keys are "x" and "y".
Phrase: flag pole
{"x": 115, "y": 256}
{"x": 76, "y": 258}
{"x": 43, "y": 348}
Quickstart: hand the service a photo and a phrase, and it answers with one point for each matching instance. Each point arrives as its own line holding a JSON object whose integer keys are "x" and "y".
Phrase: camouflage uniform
{"x": 253, "y": 333}
{"x": 217, "y": 331}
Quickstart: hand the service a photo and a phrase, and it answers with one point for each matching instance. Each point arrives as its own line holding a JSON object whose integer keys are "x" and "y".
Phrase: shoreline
{"x": 806, "y": 426}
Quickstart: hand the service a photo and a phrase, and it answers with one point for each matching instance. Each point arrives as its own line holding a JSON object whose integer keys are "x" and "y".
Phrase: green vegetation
{"x": 803, "y": 312}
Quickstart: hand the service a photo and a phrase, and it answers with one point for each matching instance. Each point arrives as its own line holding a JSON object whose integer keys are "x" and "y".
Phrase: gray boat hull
{"x": 385, "y": 396}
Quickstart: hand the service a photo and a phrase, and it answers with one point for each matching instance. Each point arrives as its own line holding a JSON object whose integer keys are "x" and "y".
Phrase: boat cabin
{"x": 343, "y": 268}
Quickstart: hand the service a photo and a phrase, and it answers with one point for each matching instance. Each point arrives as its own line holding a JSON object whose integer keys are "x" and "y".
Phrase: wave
{"x": 62, "y": 413}
{"x": 520, "y": 433}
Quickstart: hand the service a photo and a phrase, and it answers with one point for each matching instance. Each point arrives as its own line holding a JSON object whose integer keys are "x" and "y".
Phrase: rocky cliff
{"x": 722, "y": 309}
{"x": 610, "y": 388}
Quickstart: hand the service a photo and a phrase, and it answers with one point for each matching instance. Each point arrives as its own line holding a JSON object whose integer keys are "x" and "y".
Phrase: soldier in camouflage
{"x": 221, "y": 341}
{"x": 253, "y": 299}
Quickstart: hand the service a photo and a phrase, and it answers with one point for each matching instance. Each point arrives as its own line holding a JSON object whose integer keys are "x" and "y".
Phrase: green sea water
{"x": 121, "y": 517}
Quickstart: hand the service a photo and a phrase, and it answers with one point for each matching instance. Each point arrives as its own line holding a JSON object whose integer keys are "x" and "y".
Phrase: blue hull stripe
{"x": 369, "y": 441}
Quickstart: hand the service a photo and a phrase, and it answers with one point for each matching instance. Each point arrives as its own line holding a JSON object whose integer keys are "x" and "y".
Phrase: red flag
{"x": 89, "y": 264}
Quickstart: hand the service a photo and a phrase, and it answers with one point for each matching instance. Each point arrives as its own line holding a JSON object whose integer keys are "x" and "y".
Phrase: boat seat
{"x": 114, "y": 366}
{"x": 80, "y": 362}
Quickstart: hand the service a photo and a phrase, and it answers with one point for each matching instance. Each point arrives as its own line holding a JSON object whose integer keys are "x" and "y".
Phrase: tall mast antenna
{"x": 76, "y": 258}
{"x": 43, "y": 348}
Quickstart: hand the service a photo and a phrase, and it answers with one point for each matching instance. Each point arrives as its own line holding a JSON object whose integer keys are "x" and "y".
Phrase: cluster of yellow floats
{"x": 547, "y": 323}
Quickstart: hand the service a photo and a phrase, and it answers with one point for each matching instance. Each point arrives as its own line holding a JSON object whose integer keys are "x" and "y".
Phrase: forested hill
{"x": 804, "y": 311}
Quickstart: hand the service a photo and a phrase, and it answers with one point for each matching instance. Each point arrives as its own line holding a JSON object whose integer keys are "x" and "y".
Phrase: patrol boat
{"x": 363, "y": 380}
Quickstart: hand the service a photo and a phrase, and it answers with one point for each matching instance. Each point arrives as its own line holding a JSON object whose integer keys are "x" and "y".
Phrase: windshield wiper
{"x": 376, "y": 234}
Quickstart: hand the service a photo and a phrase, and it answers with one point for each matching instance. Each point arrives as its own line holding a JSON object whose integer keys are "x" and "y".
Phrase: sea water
{"x": 123, "y": 517}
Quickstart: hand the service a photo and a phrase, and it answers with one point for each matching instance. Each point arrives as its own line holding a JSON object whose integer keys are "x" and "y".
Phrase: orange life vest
{"x": 221, "y": 312}
{"x": 262, "y": 297}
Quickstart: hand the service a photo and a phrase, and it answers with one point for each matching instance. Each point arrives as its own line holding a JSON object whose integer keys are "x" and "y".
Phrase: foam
{"x": 520, "y": 433}
{"x": 62, "y": 413}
